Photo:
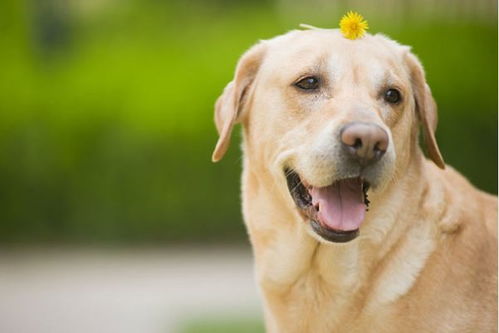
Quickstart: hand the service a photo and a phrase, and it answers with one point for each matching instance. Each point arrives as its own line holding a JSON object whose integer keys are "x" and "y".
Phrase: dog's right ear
{"x": 230, "y": 105}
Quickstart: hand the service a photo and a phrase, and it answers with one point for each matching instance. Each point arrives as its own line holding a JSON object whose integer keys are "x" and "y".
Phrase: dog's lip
{"x": 299, "y": 190}
{"x": 336, "y": 236}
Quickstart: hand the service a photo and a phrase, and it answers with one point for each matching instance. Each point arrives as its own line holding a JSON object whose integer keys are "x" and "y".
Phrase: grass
{"x": 214, "y": 325}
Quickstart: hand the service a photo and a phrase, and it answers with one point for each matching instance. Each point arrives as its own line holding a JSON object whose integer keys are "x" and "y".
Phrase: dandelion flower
{"x": 353, "y": 25}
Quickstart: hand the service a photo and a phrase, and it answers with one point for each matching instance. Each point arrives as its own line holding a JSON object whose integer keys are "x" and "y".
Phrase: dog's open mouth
{"x": 335, "y": 211}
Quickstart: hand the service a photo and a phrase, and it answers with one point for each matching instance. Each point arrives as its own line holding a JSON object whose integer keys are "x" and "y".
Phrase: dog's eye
{"x": 308, "y": 83}
{"x": 392, "y": 96}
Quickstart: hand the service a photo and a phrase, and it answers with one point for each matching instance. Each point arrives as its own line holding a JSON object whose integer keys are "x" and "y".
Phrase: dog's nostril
{"x": 357, "y": 144}
{"x": 382, "y": 144}
{"x": 378, "y": 151}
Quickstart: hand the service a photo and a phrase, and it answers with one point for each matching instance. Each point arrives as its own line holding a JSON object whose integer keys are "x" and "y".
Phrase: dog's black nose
{"x": 365, "y": 142}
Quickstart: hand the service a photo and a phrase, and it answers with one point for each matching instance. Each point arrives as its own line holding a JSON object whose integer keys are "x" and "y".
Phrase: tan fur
{"x": 426, "y": 257}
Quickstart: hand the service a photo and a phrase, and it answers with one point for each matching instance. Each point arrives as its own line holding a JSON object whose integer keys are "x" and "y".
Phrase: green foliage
{"x": 223, "y": 326}
{"x": 107, "y": 136}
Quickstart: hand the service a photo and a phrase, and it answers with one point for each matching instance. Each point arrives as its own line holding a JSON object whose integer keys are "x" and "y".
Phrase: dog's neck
{"x": 289, "y": 260}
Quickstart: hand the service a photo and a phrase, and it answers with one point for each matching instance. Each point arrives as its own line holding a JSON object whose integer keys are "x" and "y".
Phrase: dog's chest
{"x": 313, "y": 305}
{"x": 340, "y": 293}
{"x": 322, "y": 298}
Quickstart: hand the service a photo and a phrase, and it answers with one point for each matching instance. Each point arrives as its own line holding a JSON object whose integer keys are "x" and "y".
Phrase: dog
{"x": 352, "y": 228}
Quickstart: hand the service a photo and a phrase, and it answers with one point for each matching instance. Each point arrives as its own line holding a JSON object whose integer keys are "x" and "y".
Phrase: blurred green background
{"x": 106, "y": 108}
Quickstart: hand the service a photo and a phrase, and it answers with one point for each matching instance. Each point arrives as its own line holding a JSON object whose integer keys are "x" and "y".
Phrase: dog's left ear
{"x": 230, "y": 105}
{"x": 425, "y": 107}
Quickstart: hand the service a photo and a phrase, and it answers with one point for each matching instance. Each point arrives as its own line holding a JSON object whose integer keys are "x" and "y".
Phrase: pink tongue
{"x": 341, "y": 205}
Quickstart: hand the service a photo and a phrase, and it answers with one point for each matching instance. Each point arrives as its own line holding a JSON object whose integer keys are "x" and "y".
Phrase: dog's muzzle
{"x": 336, "y": 212}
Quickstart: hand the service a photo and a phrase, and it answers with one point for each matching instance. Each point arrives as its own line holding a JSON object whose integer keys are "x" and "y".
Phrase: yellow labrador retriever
{"x": 353, "y": 229}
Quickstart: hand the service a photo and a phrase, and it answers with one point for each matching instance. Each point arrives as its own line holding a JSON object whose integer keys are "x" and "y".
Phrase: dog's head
{"x": 334, "y": 117}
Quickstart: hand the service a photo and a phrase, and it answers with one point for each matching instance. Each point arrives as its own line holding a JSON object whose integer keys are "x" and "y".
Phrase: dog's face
{"x": 330, "y": 117}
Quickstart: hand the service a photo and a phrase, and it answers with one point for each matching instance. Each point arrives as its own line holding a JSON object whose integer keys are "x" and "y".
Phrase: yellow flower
{"x": 353, "y": 25}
